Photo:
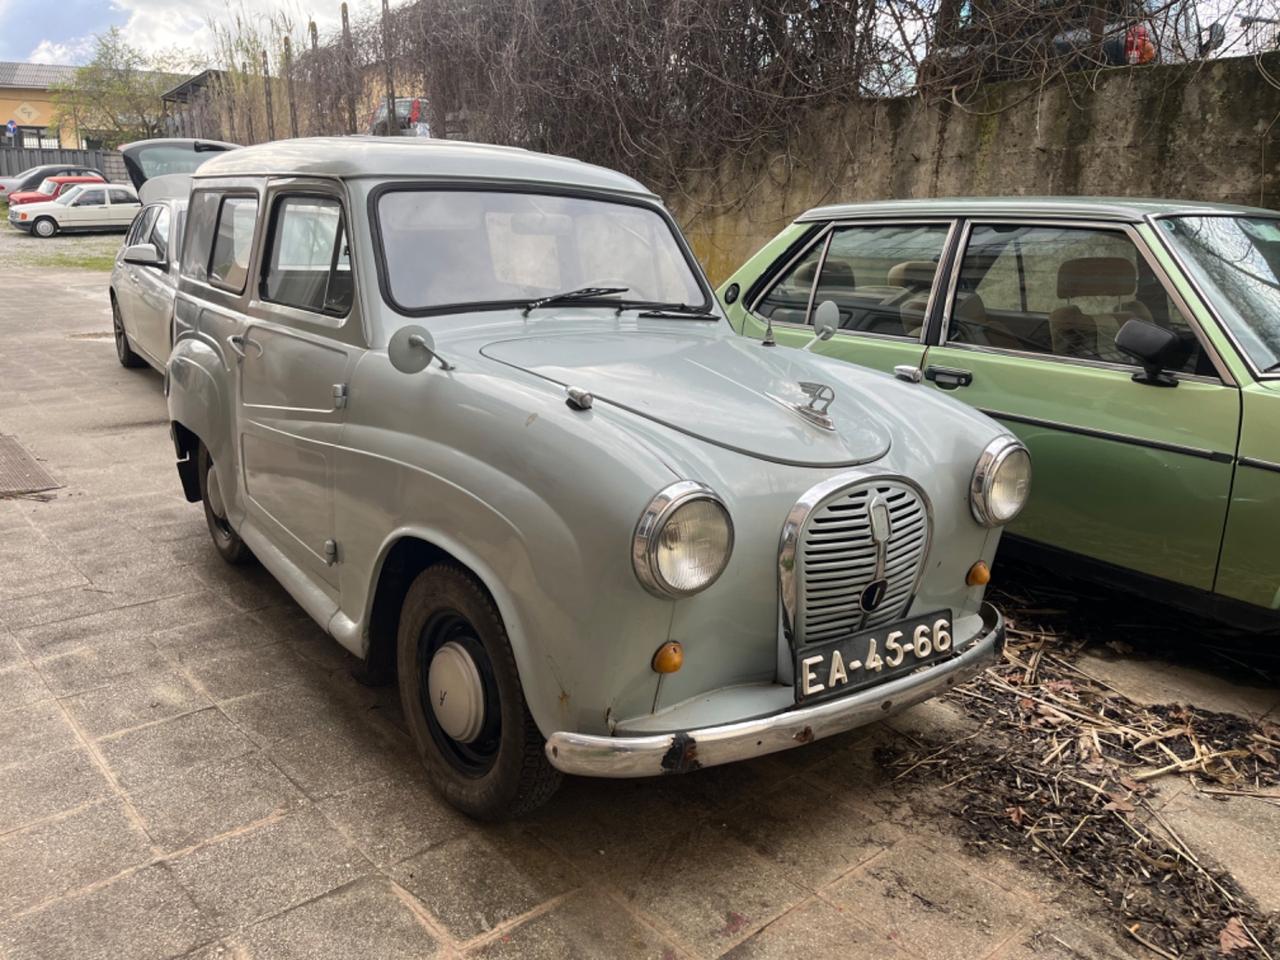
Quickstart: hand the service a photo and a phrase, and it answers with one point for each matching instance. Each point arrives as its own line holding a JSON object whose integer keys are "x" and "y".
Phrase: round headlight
{"x": 683, "y": 540}
{"x": 1001, "y": 482}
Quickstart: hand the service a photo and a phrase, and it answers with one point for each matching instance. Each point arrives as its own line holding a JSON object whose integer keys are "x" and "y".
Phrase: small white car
{"x": 146, "y": 274}
{"x": 89, "y": 207}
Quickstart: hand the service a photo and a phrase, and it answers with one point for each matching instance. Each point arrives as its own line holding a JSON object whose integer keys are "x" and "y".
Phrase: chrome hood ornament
{"x": 820, "y": 398}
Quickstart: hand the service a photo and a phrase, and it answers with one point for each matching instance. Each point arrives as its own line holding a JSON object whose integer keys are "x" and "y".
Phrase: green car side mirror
{"x": 1156, "y": 350}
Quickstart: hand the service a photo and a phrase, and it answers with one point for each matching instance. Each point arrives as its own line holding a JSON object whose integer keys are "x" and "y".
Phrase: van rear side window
{"x": 232, "y": 243}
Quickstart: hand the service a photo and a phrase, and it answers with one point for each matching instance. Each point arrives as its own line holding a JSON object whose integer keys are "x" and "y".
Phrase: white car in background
{"x": 146, "y": 274}
{"x": 88, "y": 207}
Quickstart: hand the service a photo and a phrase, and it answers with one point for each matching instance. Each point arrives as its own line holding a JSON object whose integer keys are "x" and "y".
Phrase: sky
{"x": 61, "y": 31}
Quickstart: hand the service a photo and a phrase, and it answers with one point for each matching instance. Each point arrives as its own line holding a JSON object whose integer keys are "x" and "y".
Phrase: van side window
{"x": 233, "y": 243}
{"x": 202, "y": 215}
{"x": 309, "y": 267}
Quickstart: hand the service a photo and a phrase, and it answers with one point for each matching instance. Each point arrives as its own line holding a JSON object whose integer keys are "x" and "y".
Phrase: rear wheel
{"x": 124, "y": 352}
{"x": 463, "y": 699}
{"x": 228, "y": 542}
{"x": 44, "y": 227}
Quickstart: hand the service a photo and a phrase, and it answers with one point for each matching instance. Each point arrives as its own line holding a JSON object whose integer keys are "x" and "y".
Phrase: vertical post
{"x": 266, "y": 93}
{"x": 349, "y": 50}
{"x": 226, "y": 94}
{"x": 248, "y": 100}
{"x": 288, "y": 86}
{"x": 393, "y": 122}
{"x": 318, "y": 116}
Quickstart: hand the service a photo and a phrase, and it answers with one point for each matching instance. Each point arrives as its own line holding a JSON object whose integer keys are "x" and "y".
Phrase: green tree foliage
{"x": 115, "y": 97}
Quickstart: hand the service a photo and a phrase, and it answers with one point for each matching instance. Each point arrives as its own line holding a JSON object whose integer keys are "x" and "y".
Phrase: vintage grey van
{"x": 479, "y": 412}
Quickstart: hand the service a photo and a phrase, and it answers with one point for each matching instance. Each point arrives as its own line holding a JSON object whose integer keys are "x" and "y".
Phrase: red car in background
{"x": 50, "y": 188}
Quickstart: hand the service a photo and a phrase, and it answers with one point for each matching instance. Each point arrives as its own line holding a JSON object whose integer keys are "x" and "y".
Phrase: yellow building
{"x": 25, "y": 99}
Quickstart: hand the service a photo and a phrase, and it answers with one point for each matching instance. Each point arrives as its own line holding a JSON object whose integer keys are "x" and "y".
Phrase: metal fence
{"x": 13, "y": 160}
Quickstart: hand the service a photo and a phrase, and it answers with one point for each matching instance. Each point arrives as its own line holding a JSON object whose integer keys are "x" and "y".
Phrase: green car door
{"x": 1125, "y": 472}
{"x": 883, "y": 277}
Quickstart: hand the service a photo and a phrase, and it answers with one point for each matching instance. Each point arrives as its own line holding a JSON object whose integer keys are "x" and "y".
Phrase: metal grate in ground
{"x": 19, "y": 472}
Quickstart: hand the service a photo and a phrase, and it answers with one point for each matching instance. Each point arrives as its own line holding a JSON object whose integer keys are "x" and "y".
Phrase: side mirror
{"x": 411, "y": 350}
{"x": 826, "y": 320}
{"x": 1156, "y": 350}
{"x": 143, "y": 254}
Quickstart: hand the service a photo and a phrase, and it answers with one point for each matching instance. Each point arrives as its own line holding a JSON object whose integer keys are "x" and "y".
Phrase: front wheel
{"x": 230, "y": 546}
{"x": 463, "y": 699}
{"x": 44, "y": 227}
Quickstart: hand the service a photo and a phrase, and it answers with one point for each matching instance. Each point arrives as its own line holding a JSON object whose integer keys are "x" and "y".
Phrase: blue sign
{"x": 11, "y": 127}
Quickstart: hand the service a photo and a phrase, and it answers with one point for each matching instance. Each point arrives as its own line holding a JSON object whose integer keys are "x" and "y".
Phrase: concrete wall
{"x": 1207, "y": 131}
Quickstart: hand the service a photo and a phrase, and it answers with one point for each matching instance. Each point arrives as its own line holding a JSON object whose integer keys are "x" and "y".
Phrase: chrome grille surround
{"x": 827, "y": 556}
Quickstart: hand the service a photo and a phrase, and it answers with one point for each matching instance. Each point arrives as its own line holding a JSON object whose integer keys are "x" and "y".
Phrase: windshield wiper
{"x": 676, "y": 310}
{"x": 582, "y": 293}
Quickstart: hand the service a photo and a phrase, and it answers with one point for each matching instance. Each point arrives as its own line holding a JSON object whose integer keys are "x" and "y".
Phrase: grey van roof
{"x": 1101, "y": 208}
{"x": 412, "y": 157}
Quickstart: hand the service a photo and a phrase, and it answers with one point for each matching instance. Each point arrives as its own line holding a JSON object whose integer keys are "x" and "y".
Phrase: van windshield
{"x": 448, "y": 250}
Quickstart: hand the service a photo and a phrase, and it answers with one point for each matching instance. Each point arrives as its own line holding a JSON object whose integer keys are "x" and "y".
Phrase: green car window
{"x": 1060, "y": 291}
{"x": 1236, "y": 260}
{"x": 787, "y": 301}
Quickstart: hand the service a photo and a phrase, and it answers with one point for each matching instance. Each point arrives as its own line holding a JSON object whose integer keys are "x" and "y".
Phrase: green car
{"x": 1133, "y": 346}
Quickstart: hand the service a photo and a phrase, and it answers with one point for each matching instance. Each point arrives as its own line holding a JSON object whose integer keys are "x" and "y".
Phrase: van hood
{"x": 762, "y": 401}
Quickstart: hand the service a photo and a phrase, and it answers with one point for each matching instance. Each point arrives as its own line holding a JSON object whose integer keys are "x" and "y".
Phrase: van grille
{"x": 838, "y": 555}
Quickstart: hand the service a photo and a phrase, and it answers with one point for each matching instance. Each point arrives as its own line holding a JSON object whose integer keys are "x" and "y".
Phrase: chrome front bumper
{"x": 685, "y": 750}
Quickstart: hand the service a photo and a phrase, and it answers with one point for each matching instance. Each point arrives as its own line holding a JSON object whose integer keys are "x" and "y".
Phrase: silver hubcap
{"x": 214, "y": 492}
{"x": 44, "y": 228}
{"x": 457, "y": 695}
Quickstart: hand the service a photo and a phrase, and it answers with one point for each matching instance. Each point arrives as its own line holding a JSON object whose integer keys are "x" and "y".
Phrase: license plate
{"x": 836, "y": 667}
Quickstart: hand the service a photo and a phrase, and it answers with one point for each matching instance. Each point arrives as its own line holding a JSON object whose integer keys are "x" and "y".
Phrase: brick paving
{"x": 188, "y": 769}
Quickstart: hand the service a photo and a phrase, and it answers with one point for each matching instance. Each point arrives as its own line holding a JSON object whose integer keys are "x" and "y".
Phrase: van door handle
{"x": 238, "y": 342}
{"x": 948, "y": 378}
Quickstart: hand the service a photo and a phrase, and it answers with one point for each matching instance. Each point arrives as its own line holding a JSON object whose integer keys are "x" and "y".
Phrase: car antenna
{"x": 768, "y": 340}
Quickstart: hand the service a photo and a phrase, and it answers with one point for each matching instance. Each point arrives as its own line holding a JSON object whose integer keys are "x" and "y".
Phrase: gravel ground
{"x": 77, "y": 251}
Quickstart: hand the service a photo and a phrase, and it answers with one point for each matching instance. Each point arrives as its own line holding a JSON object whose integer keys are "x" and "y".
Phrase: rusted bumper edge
{"x": 685, "y": 750}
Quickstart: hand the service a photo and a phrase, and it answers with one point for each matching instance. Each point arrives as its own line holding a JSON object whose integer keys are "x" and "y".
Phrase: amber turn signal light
{"x": 979, "y": 575}
{"x": 669, "y": 658}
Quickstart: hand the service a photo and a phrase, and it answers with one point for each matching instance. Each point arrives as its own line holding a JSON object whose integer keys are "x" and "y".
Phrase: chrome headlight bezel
{"x": 993, "y": 457}
{"x": 645, "y": 541}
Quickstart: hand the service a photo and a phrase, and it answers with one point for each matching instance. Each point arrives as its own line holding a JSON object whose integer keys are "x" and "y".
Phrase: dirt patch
{"x": 1060, "y": 772}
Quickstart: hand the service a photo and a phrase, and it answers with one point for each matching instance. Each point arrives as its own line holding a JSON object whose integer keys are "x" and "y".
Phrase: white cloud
{"x": 72, "y": 51}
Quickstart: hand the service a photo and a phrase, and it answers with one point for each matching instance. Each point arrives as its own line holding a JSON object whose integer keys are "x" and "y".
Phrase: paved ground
{"x": 187, "y": 769}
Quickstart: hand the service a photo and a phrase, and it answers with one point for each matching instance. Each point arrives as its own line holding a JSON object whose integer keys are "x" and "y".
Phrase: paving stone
{"x": 146, "y": 755}
{"x": 124, "y": 622}
{"x": 582, "y": 927}
{"x": 54, "y": 857}
{"x": 97, "y": 664}
{"x": 10, "y": 652}
{"x": 20, "y": 684}
{"x": 344, "y": 923}
{"x": 813, "y": 931}
{"x": 710, "y": 889}
{"x": 812, "y": 832}
{"x": 324, "y": 760}
{"x": 194, "y": 642}
{"x": 1151, "y": 681}
{"x": 54, "y": 605}
{"x": 140, "y": 698}
{"x": 1063, "y": 938}
{"x": 34, "y": 730}
{"x": 394, "y": 817}
{"x": 144, "y": 915}
{"x": 929, "y": 904}
{"x": 215, "y": 798}
{"x": 270, "y": 868}
{"x": 272, "y": 715}
{"x": 235, "y": 673}
{"x": 475, "y": 882}
{"x": 1237, "y": 833}
{"x": 47, "y": 785}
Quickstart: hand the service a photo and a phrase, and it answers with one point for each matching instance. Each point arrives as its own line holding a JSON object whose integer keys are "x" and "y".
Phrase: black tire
{"x": 503, "y": 772}
{"x": 124, "y": 352}
{"x": 44, "y": 227}
{"x": 230, "y": 546}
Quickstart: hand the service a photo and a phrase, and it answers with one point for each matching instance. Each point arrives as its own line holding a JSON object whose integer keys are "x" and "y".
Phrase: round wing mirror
{"x": 411, "y": 349}
{"x": 826, "y": 320}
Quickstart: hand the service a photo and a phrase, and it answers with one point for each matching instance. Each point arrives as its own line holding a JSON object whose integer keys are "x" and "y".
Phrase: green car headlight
{"x": 1001, "y": 482}
{"x": 683, "y": 540}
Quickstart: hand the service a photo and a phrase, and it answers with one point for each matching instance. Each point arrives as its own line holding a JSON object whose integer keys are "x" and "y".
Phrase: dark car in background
{"x": 411, "y": 119}
{"x": 988, "y": 40}
{"x": 32, "y": 177}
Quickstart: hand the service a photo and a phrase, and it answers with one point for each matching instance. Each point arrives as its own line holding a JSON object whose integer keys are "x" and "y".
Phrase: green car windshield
{"x": 1236, "y": 261}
